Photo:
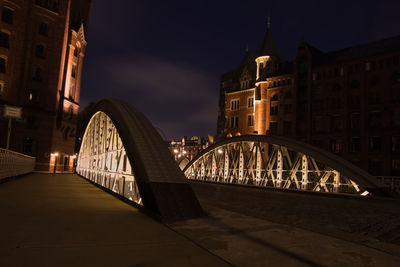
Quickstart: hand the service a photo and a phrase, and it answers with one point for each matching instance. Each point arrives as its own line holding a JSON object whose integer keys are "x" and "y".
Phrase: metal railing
{"x": 14, "y": 164}
{"x": 392, "y": 181}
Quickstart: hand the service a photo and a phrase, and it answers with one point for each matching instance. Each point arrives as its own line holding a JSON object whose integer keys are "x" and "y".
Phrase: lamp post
{"x": 55, "y": 162}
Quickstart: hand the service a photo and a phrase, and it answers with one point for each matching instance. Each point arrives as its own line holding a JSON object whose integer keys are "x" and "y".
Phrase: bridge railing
{"x": 14, "y": 164}
{"x": 392, "y": 181}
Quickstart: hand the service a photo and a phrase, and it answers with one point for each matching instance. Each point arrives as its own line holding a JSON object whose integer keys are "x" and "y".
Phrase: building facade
{"x": 188, "y": 147}
{"x": 42, "y": 48}
{"x": 345, "y": 101}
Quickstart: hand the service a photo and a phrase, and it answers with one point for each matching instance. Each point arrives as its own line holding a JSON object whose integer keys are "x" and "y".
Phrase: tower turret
{"x": 269, "y": 57}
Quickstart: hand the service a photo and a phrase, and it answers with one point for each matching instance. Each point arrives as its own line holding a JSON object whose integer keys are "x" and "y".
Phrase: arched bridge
{"x": 121, "y": 151}
{"x": 280, "y": 162}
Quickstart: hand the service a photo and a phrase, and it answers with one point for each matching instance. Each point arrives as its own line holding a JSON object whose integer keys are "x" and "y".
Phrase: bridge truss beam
{"x": 280, "y": 163}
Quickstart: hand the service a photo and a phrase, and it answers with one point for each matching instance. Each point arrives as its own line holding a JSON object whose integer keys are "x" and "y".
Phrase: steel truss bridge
{"x": 280, "y": 162}
{"x": 122, "y": 152}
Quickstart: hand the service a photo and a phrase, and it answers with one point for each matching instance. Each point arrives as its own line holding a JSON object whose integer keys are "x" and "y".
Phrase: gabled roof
{"x": 359, "y": 51}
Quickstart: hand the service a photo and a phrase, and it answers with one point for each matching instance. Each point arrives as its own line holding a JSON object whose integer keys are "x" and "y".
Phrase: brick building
{"x": 42, "y": 48}
{"x": 345, "y": 101}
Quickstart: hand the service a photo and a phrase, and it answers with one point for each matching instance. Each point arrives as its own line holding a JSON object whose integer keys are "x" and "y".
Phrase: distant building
{"x": 188, "y": 147}
{"x": 42, "y": 48}
{"x": 345, "y": 101}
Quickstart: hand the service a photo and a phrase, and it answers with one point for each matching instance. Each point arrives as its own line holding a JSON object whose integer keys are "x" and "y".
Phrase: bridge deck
{"x": 62, "y": 220}
{"x": 50, "y": 220}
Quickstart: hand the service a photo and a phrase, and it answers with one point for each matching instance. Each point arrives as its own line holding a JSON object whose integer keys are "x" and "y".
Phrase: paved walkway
{"x": 62, "y": 220}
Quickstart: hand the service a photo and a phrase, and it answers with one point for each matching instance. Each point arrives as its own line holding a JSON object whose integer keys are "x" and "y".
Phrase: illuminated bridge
{"x": 269, "y": 201}
{"x": 123, "y": 152}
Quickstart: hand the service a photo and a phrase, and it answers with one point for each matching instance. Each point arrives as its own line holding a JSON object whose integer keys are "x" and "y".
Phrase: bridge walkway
{"x": 63, "y": 220}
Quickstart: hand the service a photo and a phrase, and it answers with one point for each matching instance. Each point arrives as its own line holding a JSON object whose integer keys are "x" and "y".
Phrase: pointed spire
{"x": 268, "y": 47}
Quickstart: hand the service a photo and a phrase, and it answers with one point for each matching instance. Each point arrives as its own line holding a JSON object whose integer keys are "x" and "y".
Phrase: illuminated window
{"x": 250, "y": 102}
{"x": 250, "y": 120}
{"x": 43, "y": 28}
{"x": 73, "y": 71}
{"x": 72, "y": 91}
{"x": 4, "y": 39}
{"x": 7, "y": 15}
{"x": 235, "y": 104}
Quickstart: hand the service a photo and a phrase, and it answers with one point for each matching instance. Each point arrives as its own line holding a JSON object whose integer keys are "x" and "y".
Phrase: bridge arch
{"x": 280, "y": 162}
{"x": 123, "y": 152}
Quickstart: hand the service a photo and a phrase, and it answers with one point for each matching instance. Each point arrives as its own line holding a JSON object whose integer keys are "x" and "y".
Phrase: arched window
{"x": 7, "y": 15}
{"x": 275, "y": 98}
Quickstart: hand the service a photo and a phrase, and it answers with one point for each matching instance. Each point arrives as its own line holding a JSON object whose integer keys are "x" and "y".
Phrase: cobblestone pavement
{"x": 249, "y": 241}
{"x": 354, "y": 218}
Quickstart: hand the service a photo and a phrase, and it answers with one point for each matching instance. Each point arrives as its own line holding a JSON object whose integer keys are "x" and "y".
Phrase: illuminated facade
{"x": 346, "y": 101}
{"x": 42, "y": 48}
{"x": 188, "y": 147}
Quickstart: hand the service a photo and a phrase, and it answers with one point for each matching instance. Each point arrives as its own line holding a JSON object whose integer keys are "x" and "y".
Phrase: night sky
{"x": 166, "y": 57}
